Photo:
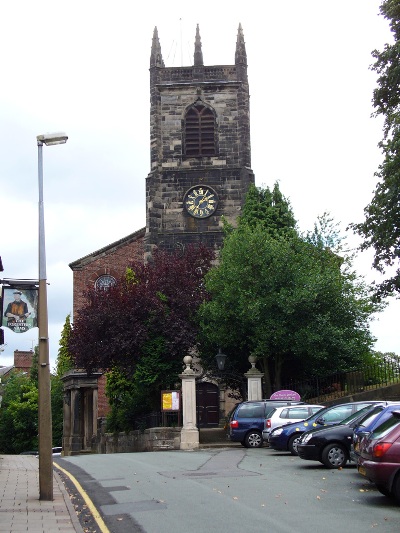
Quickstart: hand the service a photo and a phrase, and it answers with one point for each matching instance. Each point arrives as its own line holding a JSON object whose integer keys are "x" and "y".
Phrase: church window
{"x": 104, "y": 282}
{"x": 200, "y": 132}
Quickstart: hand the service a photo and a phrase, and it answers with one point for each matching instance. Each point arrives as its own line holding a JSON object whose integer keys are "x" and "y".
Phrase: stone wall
{"x": 151, "y": 440}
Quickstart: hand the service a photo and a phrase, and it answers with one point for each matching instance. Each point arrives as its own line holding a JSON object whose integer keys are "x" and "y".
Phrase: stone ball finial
{"x": 188, "y": 360}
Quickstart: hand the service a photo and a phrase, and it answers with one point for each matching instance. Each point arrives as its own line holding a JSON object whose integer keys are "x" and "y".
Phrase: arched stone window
{"x": 200, "y": 138}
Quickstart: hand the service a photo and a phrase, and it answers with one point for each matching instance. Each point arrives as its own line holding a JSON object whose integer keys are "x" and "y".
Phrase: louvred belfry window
{"x": 200, "y": 132}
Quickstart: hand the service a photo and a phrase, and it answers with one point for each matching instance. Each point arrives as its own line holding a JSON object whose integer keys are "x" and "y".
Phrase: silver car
{"x": 280, "y": 416}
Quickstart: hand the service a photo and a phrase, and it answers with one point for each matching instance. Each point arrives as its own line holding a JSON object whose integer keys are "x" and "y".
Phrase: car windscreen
{"x": 383, "y": 429}
{"x": 370, "y": 416}
{"x": 363, "y": 414}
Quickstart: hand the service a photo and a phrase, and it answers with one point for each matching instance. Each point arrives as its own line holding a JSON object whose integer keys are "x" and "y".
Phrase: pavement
{"x": 20, "y": 507}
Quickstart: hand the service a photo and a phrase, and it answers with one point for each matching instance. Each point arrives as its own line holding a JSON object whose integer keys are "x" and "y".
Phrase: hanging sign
{"x": 19, "y": 312}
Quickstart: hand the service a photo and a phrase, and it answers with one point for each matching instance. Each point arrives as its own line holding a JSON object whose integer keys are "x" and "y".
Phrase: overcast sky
{"x": 82, "y": 67}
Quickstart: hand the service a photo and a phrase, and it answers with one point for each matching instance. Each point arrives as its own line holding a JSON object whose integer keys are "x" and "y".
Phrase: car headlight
{"x": 305, "y": 438}
{"x": 276, "y": 432}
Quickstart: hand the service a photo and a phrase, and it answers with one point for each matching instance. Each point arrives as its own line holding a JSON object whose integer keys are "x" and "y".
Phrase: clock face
{"x": 200, "y": 201}
{"x": 105, "y": 281}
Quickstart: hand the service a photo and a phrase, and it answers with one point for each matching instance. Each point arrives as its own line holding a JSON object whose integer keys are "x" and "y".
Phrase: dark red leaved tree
{"x": 153, "y": 307}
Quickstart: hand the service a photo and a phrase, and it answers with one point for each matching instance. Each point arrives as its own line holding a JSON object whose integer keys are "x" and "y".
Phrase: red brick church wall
{"x": 113, "y": 262}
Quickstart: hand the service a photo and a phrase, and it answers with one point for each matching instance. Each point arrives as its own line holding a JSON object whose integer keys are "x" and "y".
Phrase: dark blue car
{"x": 247, "y": 420}
{"x": 286, "y": 438}
{"x": 367, "y": 425}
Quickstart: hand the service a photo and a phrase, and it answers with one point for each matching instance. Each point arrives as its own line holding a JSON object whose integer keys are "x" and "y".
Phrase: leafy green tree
{"x": 34, "y": 372}
{"x": 63, "y": 364}
{"x": 19, "y": 414}
{"x": 381, "y": 228}
{"x": 288, "y": 301}
{"x": 268, "y": 209}
{"x": 19, "y": 409}
{"x": 64, "y": 360}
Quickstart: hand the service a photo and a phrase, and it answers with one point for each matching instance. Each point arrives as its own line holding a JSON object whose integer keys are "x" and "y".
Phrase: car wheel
{"x": 293, "y": 442}
{"x": 253, "y": 439}
{"x": 334, "y": 456}
{"x": 383, "y": 490}
{"x": 396, "y": 488}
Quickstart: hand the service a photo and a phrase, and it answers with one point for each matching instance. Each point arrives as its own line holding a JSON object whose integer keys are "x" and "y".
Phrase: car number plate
{"x": 362, "y": 471}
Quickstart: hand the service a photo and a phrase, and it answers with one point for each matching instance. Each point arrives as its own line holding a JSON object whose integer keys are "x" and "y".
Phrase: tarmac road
{"x": 229, "y": 490}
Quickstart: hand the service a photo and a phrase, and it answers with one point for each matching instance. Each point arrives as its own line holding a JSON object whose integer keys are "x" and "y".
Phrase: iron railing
{"x": 338, "y": 384}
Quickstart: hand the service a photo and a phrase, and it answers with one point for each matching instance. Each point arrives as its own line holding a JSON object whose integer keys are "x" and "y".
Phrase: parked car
{"x": 287, "y": 437}
{"x": 30, "y": 452}
{"x": 280, "y": 416}
{"x": 56, "y": 451}
{"x": 367, "y": 425}
{"x": 379, "y": 459}
{"x": 247, "y": 420}
{"x": 331, "y": 445}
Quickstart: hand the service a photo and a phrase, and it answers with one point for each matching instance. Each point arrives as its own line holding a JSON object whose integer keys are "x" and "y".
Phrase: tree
{"x": 381, "y": 229}
{"x": 63, "y": 364}
{"x": 288, "y": 301}
{"x": 64, "y": 360}
{"x": 142, "y": 328}
{"x": 19, "y": 414}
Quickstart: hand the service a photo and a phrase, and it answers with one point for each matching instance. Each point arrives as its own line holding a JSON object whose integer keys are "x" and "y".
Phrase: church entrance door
{"x": 207, "y": 399}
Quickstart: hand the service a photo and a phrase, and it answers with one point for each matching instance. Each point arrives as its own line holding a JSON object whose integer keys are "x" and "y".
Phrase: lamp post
{"x": 44, "y": 407}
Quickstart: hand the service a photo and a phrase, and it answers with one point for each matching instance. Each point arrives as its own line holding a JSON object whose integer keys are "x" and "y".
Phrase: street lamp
{"x": 44, "y": 407}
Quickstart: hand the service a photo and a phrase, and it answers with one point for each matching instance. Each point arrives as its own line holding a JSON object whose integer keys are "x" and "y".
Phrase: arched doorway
{"x": 207, "y": 400}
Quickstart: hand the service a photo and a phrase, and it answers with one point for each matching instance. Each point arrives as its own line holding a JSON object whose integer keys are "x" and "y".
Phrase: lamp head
{"x": 52, "y": 138}
{"x": 220, "y": 357}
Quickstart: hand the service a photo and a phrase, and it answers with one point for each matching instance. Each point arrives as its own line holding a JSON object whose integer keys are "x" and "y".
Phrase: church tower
{"x": 200, "y": 148}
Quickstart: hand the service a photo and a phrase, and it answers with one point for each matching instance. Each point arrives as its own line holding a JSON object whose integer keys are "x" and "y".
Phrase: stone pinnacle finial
{"x": 156, "y": 59}
{"x": 198, "y": 54}
{"x": 240, "y": 54}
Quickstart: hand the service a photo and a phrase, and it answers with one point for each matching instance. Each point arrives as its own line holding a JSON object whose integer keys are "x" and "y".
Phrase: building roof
{"x": 79, "y": 263}
{"x": 5, "y": 370}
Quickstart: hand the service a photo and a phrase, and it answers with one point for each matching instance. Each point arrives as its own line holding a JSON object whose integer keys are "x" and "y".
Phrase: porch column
{"x": 66, "y": 423}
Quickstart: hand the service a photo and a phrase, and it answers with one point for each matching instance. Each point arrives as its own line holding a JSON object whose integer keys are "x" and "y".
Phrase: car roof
{"x": 282, "y": 407}
{"x": 326, "y": 409}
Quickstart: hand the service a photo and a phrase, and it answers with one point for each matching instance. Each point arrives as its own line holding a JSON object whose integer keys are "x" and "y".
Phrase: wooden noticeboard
{"x": 170, "y": 403}
{"x": 170, "y": 400}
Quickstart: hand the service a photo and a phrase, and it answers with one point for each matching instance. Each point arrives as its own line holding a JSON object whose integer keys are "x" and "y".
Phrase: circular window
{"x": 105, "y": 281}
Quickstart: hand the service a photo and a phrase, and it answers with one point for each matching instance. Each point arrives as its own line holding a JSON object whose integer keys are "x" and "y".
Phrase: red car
{"x": 379, "y": 459}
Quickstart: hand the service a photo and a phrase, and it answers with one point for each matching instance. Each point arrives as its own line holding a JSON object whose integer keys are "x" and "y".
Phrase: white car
{"x": 280, "y": 416}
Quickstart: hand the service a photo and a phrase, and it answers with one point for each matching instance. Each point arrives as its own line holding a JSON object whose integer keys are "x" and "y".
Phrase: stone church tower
{"x": 200, "y": 148}
{"x": 200, "y": 171}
